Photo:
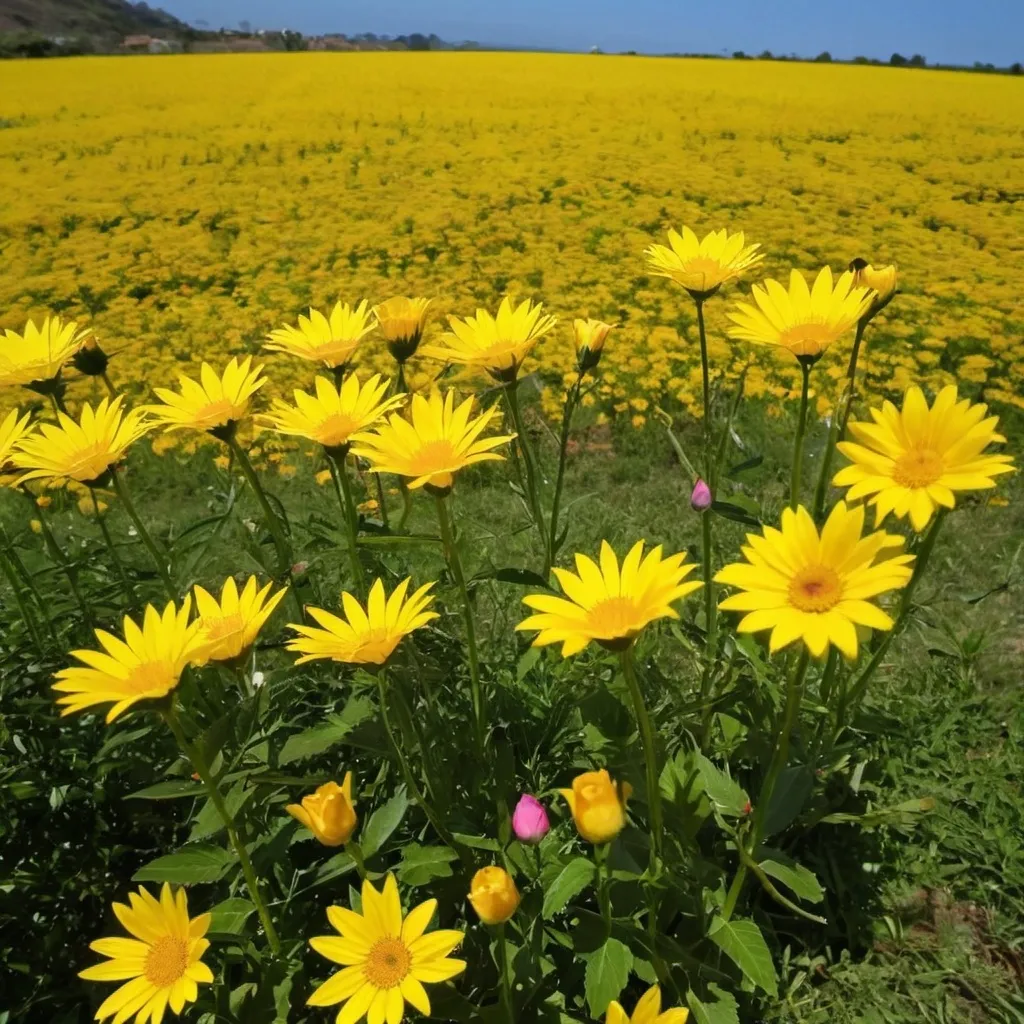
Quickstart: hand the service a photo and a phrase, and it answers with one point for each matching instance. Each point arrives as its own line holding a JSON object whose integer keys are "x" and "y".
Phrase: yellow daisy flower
{"x": 230, "y": 626}
{"x": 386, "y": 959}
{"x": 331, "y": 339}
{"x": 401, "y": 322}
{"x": 367, "y": 637}
{"x": 609, "y": 604}
{"x": 85, "y": 451}
{"x": 439, "y": 441}
{"x": 813, "y": 588}
{"x": 495, "y": 344}
{"x": 913, "y": 460}
{"x": 145, "y": 665}
{"x": 647, "y": 1011}
{"x": 12, "y": 430}
{"x": 703, "y": 265}
{"x": 161, "y": 966}
{"x": 589, "y": 337}
{"x": 36, "y": 356}
{"x": 803, "y": 321}
{"x": 214, "y": 404}
{"x": 334, "y": 414}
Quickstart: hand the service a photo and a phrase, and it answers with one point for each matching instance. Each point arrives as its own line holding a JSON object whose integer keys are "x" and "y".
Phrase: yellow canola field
{"x": 184, "y": 206}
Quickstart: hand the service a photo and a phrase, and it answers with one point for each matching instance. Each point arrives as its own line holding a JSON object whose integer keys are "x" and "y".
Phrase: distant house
{"x": 149, "y": 44}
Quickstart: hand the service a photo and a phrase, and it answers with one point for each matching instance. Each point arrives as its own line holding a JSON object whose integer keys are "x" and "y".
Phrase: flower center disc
{"x": 918, "y": 468}
{"x": 376, "y": 644}
{"x": 152, "y": 677}
{"x": 90, "y": 462}
{"x": 166, "y": 961}
{"x": 704, "y": 271}
{"x": 216, "y": 414}
{"x": 336, "y": 430}
{"x": 807, "y": 339}
{"x": 387, "y": 963}
{"x": 225, "y": 628}
{"x": 815, "y": 589}
{"x": 433, "y": 457}
{"x": 613, "y": 617}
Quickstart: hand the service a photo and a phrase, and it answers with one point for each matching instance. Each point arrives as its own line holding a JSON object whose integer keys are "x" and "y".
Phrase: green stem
{"x": 382, "y": 501}
{"x": 343, "y": 488}
{"x": 643, "y": 721}
{"x": 235, "y": 837}
{"x": 57, "y": 554}
{"x": 273, "y": 522}
{"x": 851, "y": 376}
{"x": 533, "y": 497}
{"x": 19, "y": 600}
{"x": 114, "y": 557}
{"x": 22, "y": 570}
{"x": 780, "y": 756}
{"x": 112, "y": 391}
{"x": 410, "y": 779}
{"x": 506, "y": 975}
{"x": 159, "y": 561}
{"x": 798, "y": 444}
{"x": 455, "y": 564}
{"x": 711, "y": 621}
{"x": 705, "y": 373}
{"x": 602, "y": 867}
{"x": 856, "y": 692}
{"x": 355, "y": 851}
{"x": 400, "y": 385}
{"x": 571, "y": 401}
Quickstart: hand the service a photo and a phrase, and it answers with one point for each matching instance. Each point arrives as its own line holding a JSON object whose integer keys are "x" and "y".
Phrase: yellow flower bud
{"x": 598, "y": 805}
{"x": 494, "y": 895}
{"x": 88, "y": 507}
{"x": 328, "y": 813}
{"x": 589, "y": 336}
{"x": 44, "y": 501}
{"x": 881, "y": 279}
{"x": 37, "y": 527}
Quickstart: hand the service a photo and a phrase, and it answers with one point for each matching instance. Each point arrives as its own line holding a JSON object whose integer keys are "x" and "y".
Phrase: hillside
{"x": 93, "y": 19}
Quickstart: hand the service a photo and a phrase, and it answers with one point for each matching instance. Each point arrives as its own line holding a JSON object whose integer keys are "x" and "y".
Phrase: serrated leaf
{"x": 570, "y": 882}
{"x": 322, "y": 737}
{"x": 607, "y": 972}
{"x": 229, "y": 916}
{"x": 722, "y": 1011}
{"x": 173, "y": 789}
{"x": 728, "y": 796}
{"x": 422, "y": 864}
{"x": 798, "y": 879}
{"x": 741, "y": 940}
{"x": 383, "y": 822}
{"x": 193, "y": 864}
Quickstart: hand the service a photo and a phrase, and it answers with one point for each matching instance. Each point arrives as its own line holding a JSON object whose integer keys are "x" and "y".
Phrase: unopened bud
{"x": 90, "y": 359}
{"x": 700, "y": 498}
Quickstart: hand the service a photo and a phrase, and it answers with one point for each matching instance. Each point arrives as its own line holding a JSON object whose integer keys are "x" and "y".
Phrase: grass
{"x": 925, "y": 910}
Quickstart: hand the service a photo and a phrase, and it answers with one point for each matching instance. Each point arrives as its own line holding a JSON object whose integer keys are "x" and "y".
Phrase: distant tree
{"x": 897, "y": 60}
{"x": 1015, "y": 68}
{"x": 917, "y": 61}
{"x": 739, "y": 55}
{"x": 861, "y": 60}
{"x": 765, "y": 55}
{"x": 823, "y": 58}
{"x": 293, "y": 40}
{"x": 417, "y": 41}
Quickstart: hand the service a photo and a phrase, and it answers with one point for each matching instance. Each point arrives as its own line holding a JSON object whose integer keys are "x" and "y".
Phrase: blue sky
{"x": 951, "y": 31}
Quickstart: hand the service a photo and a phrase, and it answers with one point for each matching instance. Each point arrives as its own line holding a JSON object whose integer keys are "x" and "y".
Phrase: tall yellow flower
{"x": 646, "y": 1011}
{"x": 703, "y": 265}
{"x": 813, "y": 588}
{"x": 609, "y": 604}
{"x": 589, "y": 337}
{"x": 386, "y": 959}
{"x": 801, "y": 320}
{"x": 335, "y": 413}
{"x": 497, "y": 344}
{"x": 145, "y": 665}
{"x": 328, "y": 813}
{"x": 230, "y": 626}
{"x": 12, "y": 430}
{"x": 35, "y": 357}
{"x": 214, "y": 404}
{"x": 85, "y": 451}
{"x": 439, "y": 441}
{"x": 331, "y": 339}
{"x": 401, "y": 322}
{"x": 914, "y": 460}
{"x": 367, "y": 637}
{"x": 161, "y": 964}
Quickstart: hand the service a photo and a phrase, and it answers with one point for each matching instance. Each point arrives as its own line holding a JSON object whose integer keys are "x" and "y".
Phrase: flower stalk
{"x": 532, "y": 494}
{"x": 506, "y": 975}
{"x": 572, "y": 399}
{"x": 158, "y": 560}
{"x": 801, "y": 429}
{"x": 343, "y": 489}
{"x": 101, "y": 521}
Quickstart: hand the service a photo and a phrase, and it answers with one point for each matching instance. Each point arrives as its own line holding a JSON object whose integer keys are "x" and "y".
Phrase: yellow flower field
{"x": 183, "y": 207}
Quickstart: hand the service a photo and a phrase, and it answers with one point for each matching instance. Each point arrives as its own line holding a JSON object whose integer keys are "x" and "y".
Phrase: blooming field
{"x": 183, "y": 207}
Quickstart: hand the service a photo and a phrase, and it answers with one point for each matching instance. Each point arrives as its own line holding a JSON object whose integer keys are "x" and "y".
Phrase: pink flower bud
{"x": 700, "y": 499}
{"x": 530, "y": 820}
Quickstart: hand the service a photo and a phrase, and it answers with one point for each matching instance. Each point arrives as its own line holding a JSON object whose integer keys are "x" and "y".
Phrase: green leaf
{"x": 733, "y": 512}
{"x": 728, "y": 796}
{"x": 208, "y": 821}
{"x": 723, "y": 1011}
{"x": 383, "y": 822}
{"x": 741, "y": 467}
{"x": 173, "y": 789}
{"x": 608, "y": 970}
{"x": 478, "y": 842}
{"x": 422, "y": 864}
{"x": 229, "y": 916}
{"x": 788, "y": 798}
{"x": 798, "y": 879}
{"x": 322, "y": 737}
{"x": 521, "y": 577}
{"x": 571, "y": 881}
{"x": 741, "y": 940}
{"x": 193, "y": 864}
